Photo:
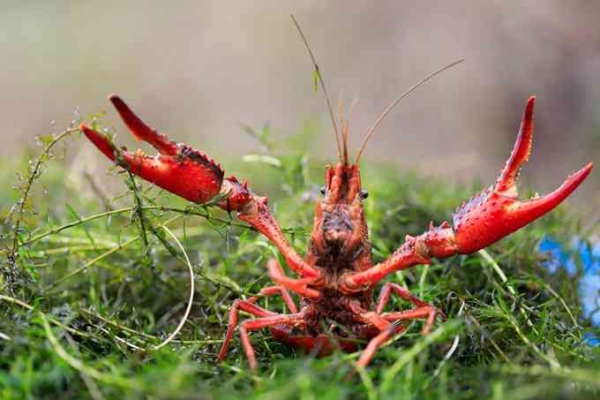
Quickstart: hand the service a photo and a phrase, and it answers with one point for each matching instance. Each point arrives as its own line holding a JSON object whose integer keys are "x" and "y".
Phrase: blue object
{"x": 591, "y": 339}
{"x": 568, "y": 257}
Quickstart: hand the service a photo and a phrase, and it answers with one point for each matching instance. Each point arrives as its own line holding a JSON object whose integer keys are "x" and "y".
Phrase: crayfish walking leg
{"x": 251, "y": 308}
{"x": 422, "y": 310}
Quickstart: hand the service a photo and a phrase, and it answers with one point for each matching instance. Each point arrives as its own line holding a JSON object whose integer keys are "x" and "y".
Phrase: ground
{"x": 93, "y": 283}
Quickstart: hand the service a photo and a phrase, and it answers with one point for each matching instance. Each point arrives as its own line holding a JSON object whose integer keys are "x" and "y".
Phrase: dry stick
{"x": 396, "y": 101}
{"x": 322, "y": 83}
{"x": 191, "y": 298}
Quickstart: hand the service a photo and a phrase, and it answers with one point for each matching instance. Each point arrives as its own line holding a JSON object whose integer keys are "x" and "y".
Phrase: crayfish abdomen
{"x": 336, "y": 312}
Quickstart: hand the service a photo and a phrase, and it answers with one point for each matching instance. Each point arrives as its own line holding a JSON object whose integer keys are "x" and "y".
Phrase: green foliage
{"x": 91, "y": 287}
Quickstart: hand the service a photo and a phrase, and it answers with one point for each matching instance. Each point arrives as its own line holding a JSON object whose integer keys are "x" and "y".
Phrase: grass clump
{"x": 93, "y": 290}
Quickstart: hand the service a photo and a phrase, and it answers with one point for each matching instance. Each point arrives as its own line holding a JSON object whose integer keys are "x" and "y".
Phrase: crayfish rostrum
{"x": 336, "y": 278}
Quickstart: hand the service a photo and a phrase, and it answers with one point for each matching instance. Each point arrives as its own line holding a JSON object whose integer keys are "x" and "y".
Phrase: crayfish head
{"x": 340, "y": 231}
{"x": 342, "y": 185}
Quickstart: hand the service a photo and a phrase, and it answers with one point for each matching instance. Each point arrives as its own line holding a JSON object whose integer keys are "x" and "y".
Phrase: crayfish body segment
{"x": 337, "y": 277}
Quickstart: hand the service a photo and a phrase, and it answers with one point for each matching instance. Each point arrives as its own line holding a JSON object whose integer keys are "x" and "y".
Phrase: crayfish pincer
{"x": 337, "y": 277}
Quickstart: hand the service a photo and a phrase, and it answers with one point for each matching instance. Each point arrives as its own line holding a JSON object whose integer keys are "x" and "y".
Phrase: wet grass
{"x": 94, "y": 286}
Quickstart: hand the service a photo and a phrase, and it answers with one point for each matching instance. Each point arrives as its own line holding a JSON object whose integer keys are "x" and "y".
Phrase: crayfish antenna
{"x": 386, "y": 111}
{"x": 319, "y": 77}
{"x": 344, "y": 123}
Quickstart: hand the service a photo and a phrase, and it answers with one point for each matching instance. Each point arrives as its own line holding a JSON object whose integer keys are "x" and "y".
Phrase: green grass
{"x": 92, "y": 285}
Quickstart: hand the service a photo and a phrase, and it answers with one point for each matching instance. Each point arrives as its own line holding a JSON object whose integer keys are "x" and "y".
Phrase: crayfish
{"x": 337, "y": 277}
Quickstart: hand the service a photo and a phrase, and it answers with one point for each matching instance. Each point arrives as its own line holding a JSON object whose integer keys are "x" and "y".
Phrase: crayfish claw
{"x": 141, "y": 131}
{"x": 540, "y": 205}
{"x": 497, "y": 212}
{"x": 100, "y": 141}
{"x": 178, "y": 168}
{"x": 506, "y": 183}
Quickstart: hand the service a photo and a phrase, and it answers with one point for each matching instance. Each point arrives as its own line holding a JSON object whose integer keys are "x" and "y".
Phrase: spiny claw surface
{"x": 177, "y": 168}
{"x": 497, "y": 211}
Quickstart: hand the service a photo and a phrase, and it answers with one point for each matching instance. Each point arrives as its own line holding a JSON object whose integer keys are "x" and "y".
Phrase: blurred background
{"x": 201, "y": 70}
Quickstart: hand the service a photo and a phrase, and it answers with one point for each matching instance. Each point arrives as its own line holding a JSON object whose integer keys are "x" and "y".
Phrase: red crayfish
{"x": 337, "y": 276}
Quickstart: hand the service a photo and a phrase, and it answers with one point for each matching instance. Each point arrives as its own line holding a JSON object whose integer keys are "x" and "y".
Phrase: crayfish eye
{"x": 323, "y": 190}
{"x": 364, "y": 194}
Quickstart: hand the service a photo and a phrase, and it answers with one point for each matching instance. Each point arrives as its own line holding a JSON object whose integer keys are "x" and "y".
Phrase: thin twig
{"x": 34, "y": 174}
{"x": 191, "y": 297}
